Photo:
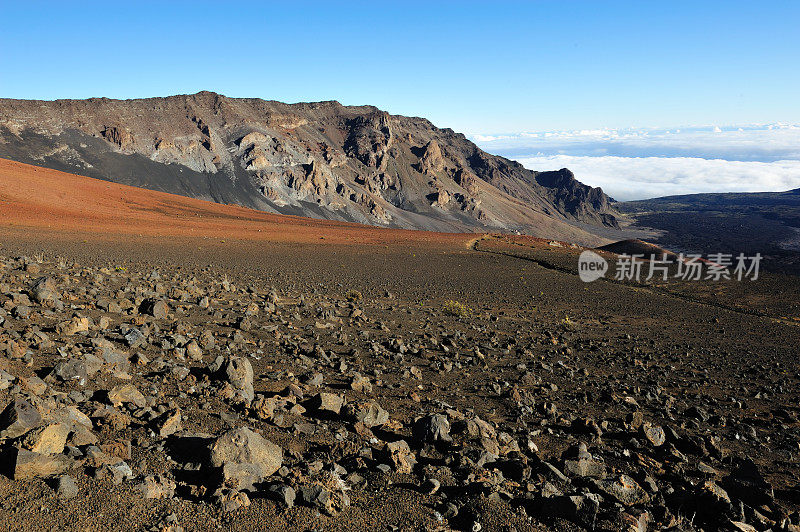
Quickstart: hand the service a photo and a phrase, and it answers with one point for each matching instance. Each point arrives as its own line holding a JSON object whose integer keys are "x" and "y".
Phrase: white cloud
{"x": 767, "y": 142}
{"x": 489, "y": 138}
{"x": 628, "y": 178}
{"x": 638, "y": 163}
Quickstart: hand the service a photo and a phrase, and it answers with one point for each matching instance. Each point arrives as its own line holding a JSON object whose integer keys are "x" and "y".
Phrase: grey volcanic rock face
{"x": 321, "y": 159}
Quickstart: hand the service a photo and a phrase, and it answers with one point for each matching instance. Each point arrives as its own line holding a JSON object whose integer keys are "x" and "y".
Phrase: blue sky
{"x": 480, "y": 68}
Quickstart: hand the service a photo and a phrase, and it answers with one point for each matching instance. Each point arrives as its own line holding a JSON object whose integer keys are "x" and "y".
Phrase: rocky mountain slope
{"x": 323, "y": 160}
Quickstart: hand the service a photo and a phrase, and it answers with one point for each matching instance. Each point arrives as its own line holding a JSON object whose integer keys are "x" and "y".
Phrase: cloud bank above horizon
{"x": 650, "y": 162}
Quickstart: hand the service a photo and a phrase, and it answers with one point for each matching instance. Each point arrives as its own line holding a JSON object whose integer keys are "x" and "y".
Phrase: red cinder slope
{"x": 49, "y": 200}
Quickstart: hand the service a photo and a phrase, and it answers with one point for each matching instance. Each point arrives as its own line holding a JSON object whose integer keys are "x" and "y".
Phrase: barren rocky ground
{"x": 257, "y": 386}
{"x": 165, "y": 371}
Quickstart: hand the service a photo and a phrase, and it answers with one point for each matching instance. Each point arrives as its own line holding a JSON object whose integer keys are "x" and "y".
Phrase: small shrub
{"x": 353, "y": 296}
{"x": 456, "y": 308}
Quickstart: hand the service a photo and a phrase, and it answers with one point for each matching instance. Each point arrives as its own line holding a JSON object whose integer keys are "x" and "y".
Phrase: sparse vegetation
{"x": 456, "y": 308}
{"x": 354, "y": 296}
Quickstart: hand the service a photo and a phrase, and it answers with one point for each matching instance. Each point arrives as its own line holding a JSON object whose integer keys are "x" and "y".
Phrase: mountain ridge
{"x": 319, "y": 159}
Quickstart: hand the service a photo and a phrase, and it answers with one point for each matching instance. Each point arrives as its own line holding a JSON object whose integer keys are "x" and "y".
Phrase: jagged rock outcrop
{"x": 571, "y": 195}
{"x": 321, "y": 159}
{"x": 431, "y": 161}
{"x": 117, "y": 135}
{"x": 468, "y": 181}
{"x": 369, "y": 139}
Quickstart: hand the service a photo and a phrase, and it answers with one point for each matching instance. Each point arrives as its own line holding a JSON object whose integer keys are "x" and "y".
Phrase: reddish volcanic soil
{"x": 44, "y": 199}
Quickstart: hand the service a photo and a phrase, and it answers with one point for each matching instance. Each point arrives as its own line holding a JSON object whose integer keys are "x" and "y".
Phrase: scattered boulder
{"x": 283, "y": 494}
{"x": 369, "y": 413}
{"x": 231, "y": 500}
{"x": 624, "y": 490}
{"x": 6, "y": 380}
{"x": 244, "y": 457}
{"x": 239, "y": 373}
{"x": 264, "y": 407}
{"x": 156, "y": 308}
{"x": 400, "y": 456}
{"x": 135, "y": 338}
{"x": 75, "y": 325}
{"x": 170, "y": 423}
{"x": 432, "y": 428}
{"x": 654, "y": 434}
{"x": 18, "y": 418}
{"x": 126, "y": 393}
{"x": 118, "y": 472}
{"x": 193, "y": 351}
{"x": 326, "y": 403}
{"x": 44, "y": 291}
{"x": 29, "y": 464}
{"x": 361, "y": 384}
{"x": 156, "y": 487}
{"x": 49, "y": 439}
{"x": 71, "y": 369}
{"x": 584, "y": 468}
{"x": 34, "y": 385}
{"x": 66, "y": 488}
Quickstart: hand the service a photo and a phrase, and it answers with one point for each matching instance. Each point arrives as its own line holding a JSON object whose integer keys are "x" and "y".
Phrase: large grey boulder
{"x": 244, "y": 457}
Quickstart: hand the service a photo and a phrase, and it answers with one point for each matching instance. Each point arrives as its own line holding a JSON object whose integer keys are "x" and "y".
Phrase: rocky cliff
{"x": 320, "y": 159}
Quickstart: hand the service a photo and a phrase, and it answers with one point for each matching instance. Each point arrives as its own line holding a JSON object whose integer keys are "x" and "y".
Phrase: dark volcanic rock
{"x": 496, "y": 418}
{"x": 433, "y": 428}
{"x": 154, "y": 307}
{"x": 45, "y": 292}
{"x": 18, "y": 418}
